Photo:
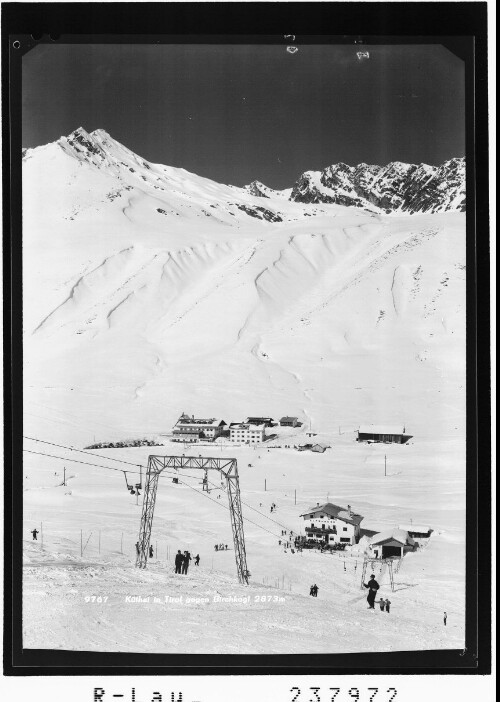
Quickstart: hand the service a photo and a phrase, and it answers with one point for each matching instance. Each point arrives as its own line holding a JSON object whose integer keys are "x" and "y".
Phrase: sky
{"x": 238, "y": 113}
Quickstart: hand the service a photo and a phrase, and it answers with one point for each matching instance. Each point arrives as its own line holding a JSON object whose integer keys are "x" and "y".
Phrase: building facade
{"x": 189, "y": 429}
{"x": 247, "y": 433}
{"x": 383, "y": 434}
{"x": 331, "y": 524}
{"x": 289, "y": 421}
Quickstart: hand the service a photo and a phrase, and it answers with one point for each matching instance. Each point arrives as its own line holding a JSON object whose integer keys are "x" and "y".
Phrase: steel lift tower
{"x": 228, "y": 468}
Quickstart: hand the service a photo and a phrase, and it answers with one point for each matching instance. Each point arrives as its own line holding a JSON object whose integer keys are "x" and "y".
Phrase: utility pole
{"x": 64, "y": 478}
{"x": 295, "y": 496}
{"x": 385, "y": 465}
{"x": 265, "y": 485}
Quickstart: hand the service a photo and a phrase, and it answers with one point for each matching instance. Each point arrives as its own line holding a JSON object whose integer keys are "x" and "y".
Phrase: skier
{"x": 197, "y": 559}
{"x": 315, "y": 590}
{"x": 372, "y": 586}
{"x": 185, "y": 562}
{"x": 382, "y": 604}
{"x": 34, "y": 532}
{"x": 445, "y": 617}
{"x": 151, "y": 552}
{"x": 311, "y": 590}
{"x": 387, "y": 606}
{"x": 138, "y": 550}
{"x": 178, "y": 561}
{"x": 216, "y": 547}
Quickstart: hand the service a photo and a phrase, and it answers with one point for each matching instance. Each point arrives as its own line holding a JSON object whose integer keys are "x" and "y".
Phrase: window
{"x": 344, "y": 540}
{"x": 322, "y": 526}
{"x": 344, "y": 528}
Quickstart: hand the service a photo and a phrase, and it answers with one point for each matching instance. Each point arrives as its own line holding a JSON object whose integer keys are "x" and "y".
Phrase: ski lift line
{"x": 217, "y": 487}
{"x": 73, "y": 460}
{"x": 87, "y": 453}
{"x": 226, "y": 508}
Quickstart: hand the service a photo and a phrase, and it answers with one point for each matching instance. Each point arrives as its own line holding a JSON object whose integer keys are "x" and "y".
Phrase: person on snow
{"x": 185, "y": 562}
{"x": 137, "y": 548}
{"x": 387, "y": 606}
{"x": 315, "y": 590}
{"x": 372, "y": 586}
{"x": 311, "y": 590}
{"x": 445, "y": 617}
{"x": 216, "y": 547}
{"x": 35, "y": 532}
{"x": 197, "y": 559}
{"x": 151, "y": 552}
{"x": 178, "y": 561}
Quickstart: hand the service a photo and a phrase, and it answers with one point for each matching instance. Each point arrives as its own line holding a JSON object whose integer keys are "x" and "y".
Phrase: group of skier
{"x": 182, "y": 561}
{"x": 372, "y": 586}
{"x": 220, "y": 547}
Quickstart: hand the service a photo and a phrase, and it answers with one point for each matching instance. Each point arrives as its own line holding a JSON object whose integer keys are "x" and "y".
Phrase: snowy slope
{"x": 149, "y": 291}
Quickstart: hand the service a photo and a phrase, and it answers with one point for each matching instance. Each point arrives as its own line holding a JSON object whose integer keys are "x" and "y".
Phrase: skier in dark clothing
{"x": 382, "y": 604}
{"x": 178, "y": 561}
{"x": 387, "y": 606}
{"x": 151, "y": 552}
{"x": 315, "y": 590}
{"x": 311, "y": 590}
{"x": 372, "y": 586}
{"x": 138, "y": 550}
{"x": 34, "y": 532}
{"x": 445, "y": 617}
{"x": 197, "y": 559}
{"x": 185, "y": 562}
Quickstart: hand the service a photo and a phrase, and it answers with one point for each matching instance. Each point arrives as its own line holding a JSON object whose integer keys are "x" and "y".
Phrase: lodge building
{"x": 331, "y": 524}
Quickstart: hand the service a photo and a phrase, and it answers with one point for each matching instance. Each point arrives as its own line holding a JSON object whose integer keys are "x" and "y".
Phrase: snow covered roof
{"x": 382, "y": 429}
{"x": 248, "y": 426}
{"x": 335, "y": 511}
{"x": 394, "y": 534}
{"x": 213, "y": 422}
{"x": 415, "y": 528}
{"x": 288, "y": 419}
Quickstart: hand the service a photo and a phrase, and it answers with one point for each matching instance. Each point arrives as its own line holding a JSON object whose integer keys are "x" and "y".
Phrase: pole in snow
{"x": 385, "y": 465}
{"x": 265, "y": 485}
{"x": 64, "y": 478}
{"x": 81, "y": 543}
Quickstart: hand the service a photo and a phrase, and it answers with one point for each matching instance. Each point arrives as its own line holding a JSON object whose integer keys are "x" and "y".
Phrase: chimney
{"x": 317, "y": 504}
{"x": 349, "y": 510}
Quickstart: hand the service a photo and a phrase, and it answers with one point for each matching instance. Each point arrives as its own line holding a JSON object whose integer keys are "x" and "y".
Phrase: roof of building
{"x": 382, "y": 429}
{"x": 288, "y": 419}
{"x": 416, "y": 528}
{"x": 335, "y": 511}
{"x": 213, "y": 422}
{"x": 399, "y": 535}
{"x": 256, "y": 427}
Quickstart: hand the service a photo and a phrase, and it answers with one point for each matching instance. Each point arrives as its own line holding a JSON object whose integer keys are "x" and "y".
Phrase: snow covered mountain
{"x": 121, "y": 253}
{"x": 397, "y": 187}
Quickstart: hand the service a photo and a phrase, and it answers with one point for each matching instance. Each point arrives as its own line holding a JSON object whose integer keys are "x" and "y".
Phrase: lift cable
{"x": 73, "y": 460}
{"x": 118, "y": 460}
{"x": 87, "y": 453}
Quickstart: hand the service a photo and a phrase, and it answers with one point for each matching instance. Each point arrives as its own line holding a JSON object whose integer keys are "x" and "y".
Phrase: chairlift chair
{"x": 130, "y": 488}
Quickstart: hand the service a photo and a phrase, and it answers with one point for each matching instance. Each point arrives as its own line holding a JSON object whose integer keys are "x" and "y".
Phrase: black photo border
{"x": 461, "y": 27}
